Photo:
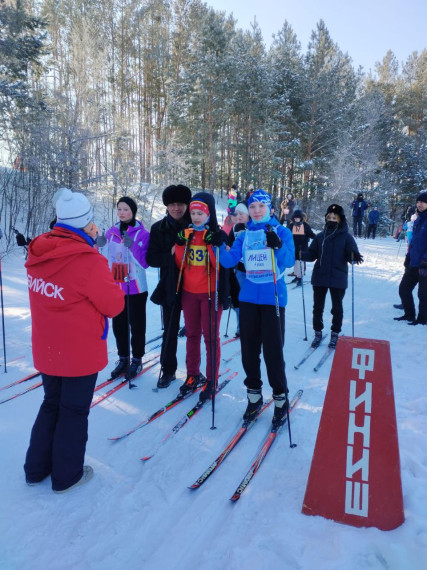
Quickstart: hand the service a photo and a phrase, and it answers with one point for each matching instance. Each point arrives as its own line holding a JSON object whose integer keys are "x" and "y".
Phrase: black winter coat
{"x": 162, "y": 239}
{"x": 332, "y": 250}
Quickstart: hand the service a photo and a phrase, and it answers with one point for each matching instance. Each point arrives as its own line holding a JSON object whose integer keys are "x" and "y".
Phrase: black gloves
{"x": 214, "y": 238}
{"x": 406, "y": 261}
{"x": 273, "y": 239}
{"x": 239, "y": 228}
{"x": 20, "y": 239}
{"x": 357, "y": 257}
{"x": 183, "y": 237}
{"x": 422, "y": 270}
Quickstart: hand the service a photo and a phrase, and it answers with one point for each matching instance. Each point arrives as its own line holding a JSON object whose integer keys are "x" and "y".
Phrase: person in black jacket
{"x": 332, "y": 249}
{"x": 302, "y": 233}
{"x": 160, "y": 253}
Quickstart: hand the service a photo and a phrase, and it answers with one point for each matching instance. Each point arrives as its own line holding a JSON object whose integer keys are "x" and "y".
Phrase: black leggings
{"x": 137, "y": 304}
{"x": 319, "y": 297}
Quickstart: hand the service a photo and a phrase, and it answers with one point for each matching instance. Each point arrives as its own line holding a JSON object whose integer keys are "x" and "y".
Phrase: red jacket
{"x": 195, "y": 270}
{"x": 71, "y": 293}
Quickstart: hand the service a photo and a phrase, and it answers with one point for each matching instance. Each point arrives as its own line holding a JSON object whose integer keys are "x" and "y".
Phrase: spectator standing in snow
{"x": 71, "y": 294}
{"x": 237, "y": 275}
{"x": 263, "y": 292}
{"x": 161, "y": 250}
{"x": 198, "y": 292}
{"x": 302, "y": 233}
{"x": 373, "y": 219}
{"x": 332, "y": 249}
{"x": 359, "y": 206}
{"x": 416, "y": 268}
{"x": 125, "y": 246}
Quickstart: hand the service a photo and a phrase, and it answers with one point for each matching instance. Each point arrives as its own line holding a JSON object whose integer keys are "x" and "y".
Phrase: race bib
{"x": 120, "y": 272}
{"x": 258, "y": 262}
{"x": 196, "y": 255}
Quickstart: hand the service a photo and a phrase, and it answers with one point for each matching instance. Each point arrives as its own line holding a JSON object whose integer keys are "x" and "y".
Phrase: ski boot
{"x": 280, "y": 410}
{"x": 317, "y": 339}
{"x": 121, "y": 367}
{"x": 334, "y": 340}
{"x": 255, "y": 402}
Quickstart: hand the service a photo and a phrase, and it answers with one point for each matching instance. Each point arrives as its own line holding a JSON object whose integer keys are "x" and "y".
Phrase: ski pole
{"x": 302, "y": 292}
{"x": 210, "y": 321}
{"x": 161, "y": 307}
{"x": 279, "y": 328}
{"x": 228, "y": 320}
{"x": 215, "y": 352}
{"x": 128, "y": 312}
{"x": 2, "y": 319}
{"x": 166, "y": 338}
{"x": 352, "y": 293}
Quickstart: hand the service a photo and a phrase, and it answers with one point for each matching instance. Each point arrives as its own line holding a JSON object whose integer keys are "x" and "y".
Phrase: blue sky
{"x": 365, "y": 29}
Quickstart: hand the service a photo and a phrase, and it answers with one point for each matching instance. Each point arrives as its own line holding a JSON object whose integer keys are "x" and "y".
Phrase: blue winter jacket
{"x": 418, "y": 248}
{"x": 373, "y": 217}
{"x": 262, "y": 293}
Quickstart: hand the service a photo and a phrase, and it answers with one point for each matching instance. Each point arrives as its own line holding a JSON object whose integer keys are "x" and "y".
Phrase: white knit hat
{"x": 241, "y": 207}
{"x": 73, "y": 209}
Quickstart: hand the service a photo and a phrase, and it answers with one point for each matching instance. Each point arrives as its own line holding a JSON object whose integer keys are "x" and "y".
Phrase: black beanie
{"x": 422, "y": 197}
{"x": 209, "y": 200}
{"x": 179, "y": 193}
{"x": 131, "y": 203}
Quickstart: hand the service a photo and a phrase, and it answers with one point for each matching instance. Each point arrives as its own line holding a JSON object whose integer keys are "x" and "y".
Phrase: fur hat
{"x": 260, "y": 196}
{"x": 73, "y": 209}
{"x": 337, "y": 210}
{"x": 422, "y": 197}
{"x": 180, "y": 194}
{"x": 131, "y": 203}
{"x": 209, "y": 200}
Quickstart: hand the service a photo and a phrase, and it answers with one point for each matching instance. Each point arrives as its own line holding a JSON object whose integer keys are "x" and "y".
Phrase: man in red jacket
{"x": 72, "y": 293}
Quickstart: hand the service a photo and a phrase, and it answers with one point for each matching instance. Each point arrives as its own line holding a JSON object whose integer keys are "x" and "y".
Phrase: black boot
{"x": 134, "y": 368}
{"x": 192, "y": 383}
{"x": 280, "y": 410}
{"x": 165, "y": 380}
{"x": 206, "y": 393}
{"x": 121, "y": 367}
{"x": 317, "y": 339}
{"x": 405, "y": 317}
{"x": 254, "y": 404}
{"x": 334, "y": 340}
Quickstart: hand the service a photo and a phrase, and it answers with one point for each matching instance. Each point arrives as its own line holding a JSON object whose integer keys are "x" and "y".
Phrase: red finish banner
{"x": 355, "y": 471}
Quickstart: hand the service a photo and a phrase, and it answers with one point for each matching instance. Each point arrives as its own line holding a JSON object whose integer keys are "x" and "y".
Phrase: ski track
{"x": 142, "y": 516}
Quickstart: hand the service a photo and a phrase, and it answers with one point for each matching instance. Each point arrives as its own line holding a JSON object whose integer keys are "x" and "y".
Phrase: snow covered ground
{"x": 142, "y": 516}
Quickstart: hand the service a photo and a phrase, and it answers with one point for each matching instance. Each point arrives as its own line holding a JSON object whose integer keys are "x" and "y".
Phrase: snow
{"x": 142, "y": 516}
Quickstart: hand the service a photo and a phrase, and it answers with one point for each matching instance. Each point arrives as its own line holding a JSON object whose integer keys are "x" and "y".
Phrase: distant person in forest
{"x": 160, "y": 253}
{"x": 72, "y": 295}
{"x": 358, "y": 209}
{"x": 373, "y": 219}
{"x": 125, "y": 246}
{"x": 416, "y": 268}
{"x": 332, "y": 249}
{"x": 302, "y": 234}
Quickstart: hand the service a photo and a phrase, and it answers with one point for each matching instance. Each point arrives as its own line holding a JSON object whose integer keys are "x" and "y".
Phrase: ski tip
{"x": 146, "y": 458}
{"x": 194, "y": 486}
{"x": 235, "y": 497}
{"x": 296, "y": 367}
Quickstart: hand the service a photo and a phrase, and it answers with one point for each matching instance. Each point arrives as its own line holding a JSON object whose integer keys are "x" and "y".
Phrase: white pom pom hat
{"x": 73, "y": 209}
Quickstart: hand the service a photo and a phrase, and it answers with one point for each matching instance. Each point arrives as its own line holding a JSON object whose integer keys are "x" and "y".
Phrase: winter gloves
{"x": 184, "y": 236}
{"x": 215, "y": 239}
{"x": 357, "y": 257}
{"x": 273, "y": 239}
{"x": 101, "y": 241}
{"x": 422, "y": 270}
